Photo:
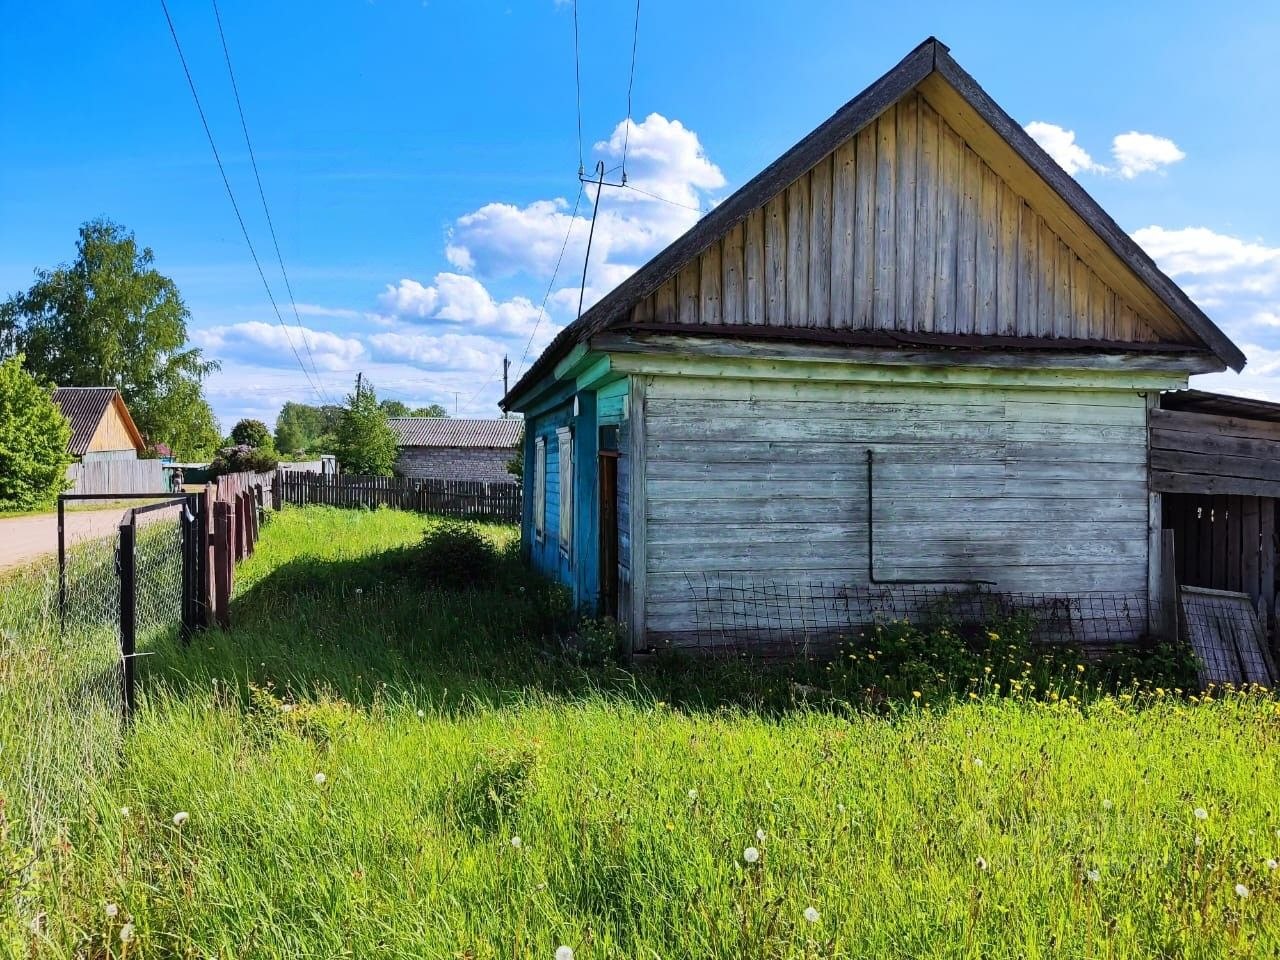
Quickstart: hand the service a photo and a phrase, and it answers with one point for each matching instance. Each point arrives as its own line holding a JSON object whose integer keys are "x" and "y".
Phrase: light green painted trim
{"x": 592, "y": 376}
{"x": 855, "y": 371}
{"x": 572, "y": 363}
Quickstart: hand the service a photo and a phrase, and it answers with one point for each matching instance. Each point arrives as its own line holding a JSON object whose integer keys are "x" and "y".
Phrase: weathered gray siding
{"x": 1035, "y": 488}
{"x": 454, "y": 463}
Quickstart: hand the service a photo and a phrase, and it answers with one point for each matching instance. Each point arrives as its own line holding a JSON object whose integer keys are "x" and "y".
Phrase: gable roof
{"x": 930, "y": 61}
{"x": 448, "y": 432}
{"x": 84, "y": 408}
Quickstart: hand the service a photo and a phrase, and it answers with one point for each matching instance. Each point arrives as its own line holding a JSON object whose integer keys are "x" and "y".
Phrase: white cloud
{"x": 461, "y": 300}
{"x": 1060, "y": 144}
{"x": 449, "y": 351}
{"x": 1137, "y": 153}
{"x": 1133, "y": 153}
{"x": 268, "y": 344}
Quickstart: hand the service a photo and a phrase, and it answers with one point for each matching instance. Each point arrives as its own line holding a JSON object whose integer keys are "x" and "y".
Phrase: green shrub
{"x": 597, "y": 641}
{"x": 240, "y": 459}
{"x": 33, "y": 440}
{"x": 455, "y": 555}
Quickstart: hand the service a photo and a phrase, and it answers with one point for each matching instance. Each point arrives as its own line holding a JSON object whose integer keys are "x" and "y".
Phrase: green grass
{"x": 444, "y": 728}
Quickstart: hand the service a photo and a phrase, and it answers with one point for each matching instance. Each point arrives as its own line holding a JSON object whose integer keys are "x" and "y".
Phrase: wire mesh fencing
{"x": 734, "y": 611}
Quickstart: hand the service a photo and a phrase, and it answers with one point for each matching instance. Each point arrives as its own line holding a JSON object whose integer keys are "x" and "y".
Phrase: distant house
{"x": 449, "y": 449}
{"x": 101, "y": 426}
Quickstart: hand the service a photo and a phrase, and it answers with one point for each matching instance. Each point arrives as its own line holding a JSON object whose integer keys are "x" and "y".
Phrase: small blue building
{"x": 911, "y": 351}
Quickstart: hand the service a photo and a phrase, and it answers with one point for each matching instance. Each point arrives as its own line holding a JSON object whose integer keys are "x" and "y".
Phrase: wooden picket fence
{"x": 465, "y": 499}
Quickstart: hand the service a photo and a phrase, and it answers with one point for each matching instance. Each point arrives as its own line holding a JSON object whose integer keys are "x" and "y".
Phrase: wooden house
{"x": 911, "y": 352}
{"x": 101, "y": 426}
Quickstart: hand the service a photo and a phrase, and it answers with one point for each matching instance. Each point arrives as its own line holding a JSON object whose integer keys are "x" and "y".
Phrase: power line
{"x": 626, "y": 137}
{"x": 573, "y": 219}
{"x": 244, "y": 126}
{"x": 232, "y": 197}
{"x": 674, "y": 203}
{"x": 577, "y": 83}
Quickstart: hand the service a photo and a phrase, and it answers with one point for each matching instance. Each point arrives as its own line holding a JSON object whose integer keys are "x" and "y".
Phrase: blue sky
{"x": 420, "y": 158}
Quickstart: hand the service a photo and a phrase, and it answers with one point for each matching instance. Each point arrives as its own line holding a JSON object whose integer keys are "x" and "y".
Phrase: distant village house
{"x": 448, "y": 449}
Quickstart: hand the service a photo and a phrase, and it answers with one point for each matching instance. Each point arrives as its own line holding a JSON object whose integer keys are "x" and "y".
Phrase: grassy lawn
{"x": 370, "y": 768}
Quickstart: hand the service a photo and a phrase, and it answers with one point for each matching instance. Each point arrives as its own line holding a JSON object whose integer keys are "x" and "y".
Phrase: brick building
{"x": 449, "y": 449}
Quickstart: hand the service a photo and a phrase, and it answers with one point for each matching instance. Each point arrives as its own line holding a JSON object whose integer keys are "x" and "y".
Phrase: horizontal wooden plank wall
{"x": 117, "y": 476}
{"x": 904, "y": 228}
{"x": 1039, "y": 490}
{"x": 1206, "y": 454}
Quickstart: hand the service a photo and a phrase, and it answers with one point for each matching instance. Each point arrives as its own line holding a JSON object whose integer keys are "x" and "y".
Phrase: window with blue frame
{"x": 564, "y": 438}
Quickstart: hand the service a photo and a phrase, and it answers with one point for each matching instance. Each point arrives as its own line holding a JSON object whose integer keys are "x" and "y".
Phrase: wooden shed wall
{"x": 112, "y": 434}
{"x": 1038, "y": 489}
{"x": 906, "y": 228}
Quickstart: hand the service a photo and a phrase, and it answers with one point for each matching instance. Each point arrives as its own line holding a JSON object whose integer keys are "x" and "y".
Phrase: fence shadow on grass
{"x": 367, "y": 628}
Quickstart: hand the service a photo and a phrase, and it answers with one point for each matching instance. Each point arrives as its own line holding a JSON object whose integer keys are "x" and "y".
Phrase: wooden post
{"x": 1168, "y": 587}
{"x": 222, "y": 563}
{"x": 209, "y": 565}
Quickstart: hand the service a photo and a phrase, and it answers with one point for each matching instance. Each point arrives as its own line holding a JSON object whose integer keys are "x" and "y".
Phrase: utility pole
{"x": 506, "y": 365}
{"x": 359, "y": 379}
{"x": 455, "y": 403}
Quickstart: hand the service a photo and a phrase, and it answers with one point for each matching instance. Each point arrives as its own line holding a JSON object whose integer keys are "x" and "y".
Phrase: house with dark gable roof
{"x": 912, "y": 352}
{"x": 101, "y": 425}
{"x": 450, "y": 449}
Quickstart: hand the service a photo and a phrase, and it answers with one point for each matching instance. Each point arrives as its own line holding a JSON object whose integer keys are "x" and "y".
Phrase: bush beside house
{"x": 33, "y": 440}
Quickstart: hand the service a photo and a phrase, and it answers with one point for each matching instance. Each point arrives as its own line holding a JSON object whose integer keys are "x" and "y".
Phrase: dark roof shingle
{"x": 84, "y": 408}
{"x": 448, "y": 432}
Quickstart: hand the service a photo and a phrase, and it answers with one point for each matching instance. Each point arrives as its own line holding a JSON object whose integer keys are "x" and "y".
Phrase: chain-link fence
{"x": 739, "y": 611}
{"x": 71, "y": 631}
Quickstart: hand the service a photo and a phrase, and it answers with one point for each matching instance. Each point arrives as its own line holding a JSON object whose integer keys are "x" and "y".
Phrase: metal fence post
{"x": 62, "y": 564}
{"x": 187, "y": 621}
{"x": 126, "y": 564}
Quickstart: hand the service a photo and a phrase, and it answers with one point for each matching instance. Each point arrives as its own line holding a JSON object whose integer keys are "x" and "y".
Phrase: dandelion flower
{"x": 981, "y": 863}
{"x": 124, "y": 812}
{"x": 1271, "y": 863}
{"x": 517, "y": 842}
{"x": 915, "y": 694}
{"x": 760, "y": 835}
{"x": 112, "y": 910}
{"x": 1093, "y": 874}
{"x": 1201, "y": 813}
{"x": 180, "y": 818}
{"x": 126, "y": 933}
{"x": 751, "y": 855}
{"x": 1107, "y": 805}
{"x": 1241, "y": 890}
{"x": 693, "y": 794}
{"x": 422, "y": 713}
{"x": 977, "y": 761}
{"x": 319, "y": 778}
{"x": 564, "y": 953}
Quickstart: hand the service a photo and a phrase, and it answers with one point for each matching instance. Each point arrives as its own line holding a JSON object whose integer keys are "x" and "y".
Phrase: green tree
{"x": 395, "y": 408}
{"x": 364, "y": 443}
{"x": 302, "y": 428}
{"x": 435, "y": 410}
{"x": 33, "y": 440}
{"x": 251, "y": 433}
{"x": 111, "y": 319}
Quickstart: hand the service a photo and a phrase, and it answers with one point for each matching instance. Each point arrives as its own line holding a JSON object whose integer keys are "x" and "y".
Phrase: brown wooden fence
{"x": 232, "y": 511}
{"x": 465, "y": 499}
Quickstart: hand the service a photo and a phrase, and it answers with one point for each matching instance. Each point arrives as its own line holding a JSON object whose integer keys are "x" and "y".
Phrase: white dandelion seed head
{"x": 693, "y": 794}
{"x": 1201, "y": 813}
{"x": 112, "y": 910}
{"x": 126, "y": 933}
{"x": 180, "y": 818}
{"x": 422, "y": 713}
{"x": 517, "y": 842}
{"x": 1107, "y": 805}
{"x": 760, "y": 835}
{"x": 977, "y": 761}
{"x": 36, "y": 924}
{"x": 1241, "y": 890}
{"x": 1093, "y": 874}
{"x": 840, "y": 807}
{"x": 125, "y": 811}
{"x": 319, "y": 778}
{"x": 564, "y": 953}
{"x": 981, "y": 863}
{"x": 1199, "y": 840}
{"x": 812, "y": 915}
{"x": 1271, "y": 863}
{"x": 359, "y": 590}
{"x": 751, "y": 855}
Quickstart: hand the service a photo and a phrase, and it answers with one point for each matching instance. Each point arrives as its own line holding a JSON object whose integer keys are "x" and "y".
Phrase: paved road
{"x": 23, "y": 539}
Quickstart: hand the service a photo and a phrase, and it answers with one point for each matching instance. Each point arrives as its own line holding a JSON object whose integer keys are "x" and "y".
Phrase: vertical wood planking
{"x": 775, "y": 261}
{"x": 643, "y": 312}
{"x": 1063, "y": 323}
{"x": 926, "y": 217}
{"x": 732, "y": 289}
{"x": 949, "y": 184}
{"x": 904, "y": 206}
{"x": 967, "y": 241}
{"x": 688, "y": 292}
{"x": 843, "y": 200}
{"x": 884, "y": 303}
{"x": 710, "y": 285}
{"x": 820, "y": 244}
{"x": 1045, "y": 254}
{"x": 864, "y": 229}
{"x": 986, "y": 255}
{"x": 639, "y": 509}
{"x": 1079, "y": 298}
{"x": 1028, "y": 273}
{"x": 664, "y": 303}
{"x": 753, "y": 266}
{"x": 1007, "y": 264}
{"x": 798, "y": 253}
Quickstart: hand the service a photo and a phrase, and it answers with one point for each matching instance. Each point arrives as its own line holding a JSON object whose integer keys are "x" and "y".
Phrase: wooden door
{"x": 608, "y": 474}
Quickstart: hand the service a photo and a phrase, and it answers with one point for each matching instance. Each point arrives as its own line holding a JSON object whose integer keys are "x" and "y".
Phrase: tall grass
{"x": 989, "y": 828}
